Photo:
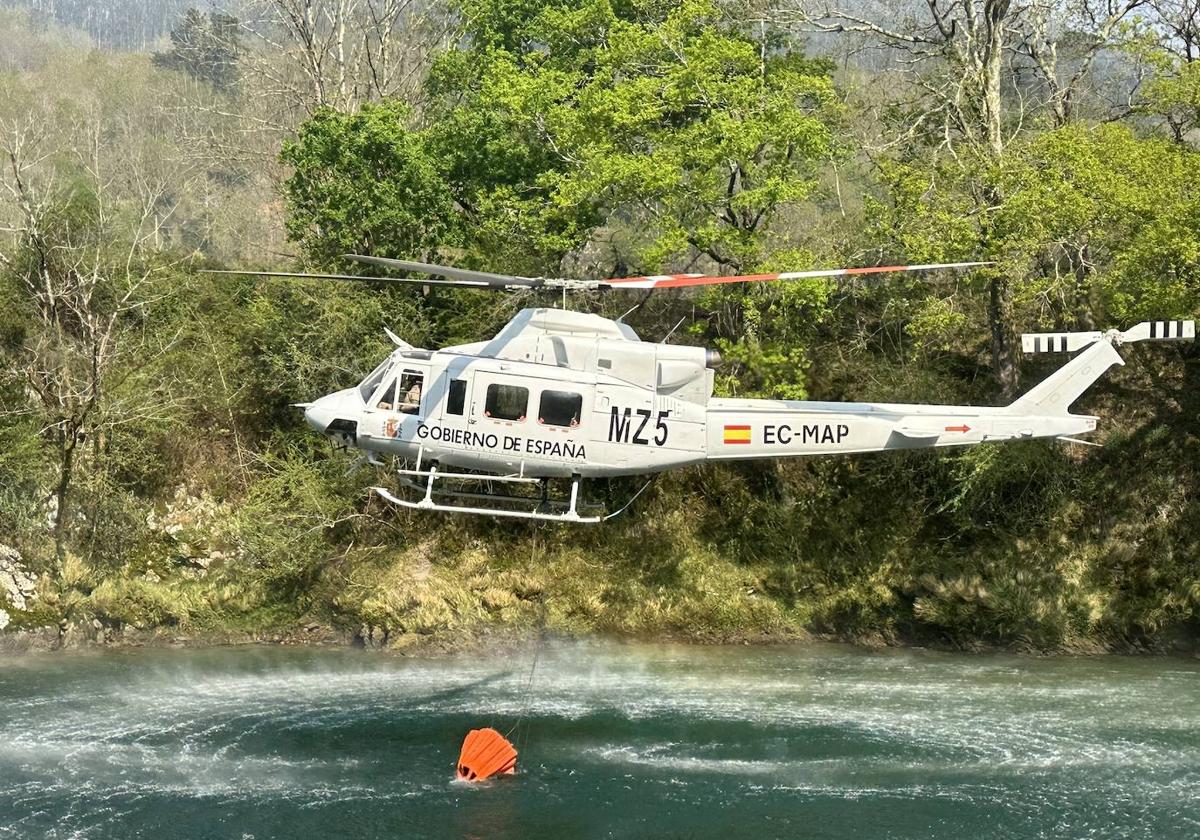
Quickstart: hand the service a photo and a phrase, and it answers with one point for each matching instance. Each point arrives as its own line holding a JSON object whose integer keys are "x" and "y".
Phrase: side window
{"x": 457, "y": 398}
{"x": 560, "y": 408}
{"x": 387, "y": 399}
{"x": 409, "y": 392}
{"x": 506, "y": 402}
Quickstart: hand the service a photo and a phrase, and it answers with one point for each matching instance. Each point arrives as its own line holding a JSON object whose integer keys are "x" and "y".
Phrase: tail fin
{"x": 1054, "y": 394}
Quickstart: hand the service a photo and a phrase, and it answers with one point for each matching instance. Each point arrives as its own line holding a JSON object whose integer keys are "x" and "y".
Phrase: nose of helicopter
{"x": 322, "y": 412}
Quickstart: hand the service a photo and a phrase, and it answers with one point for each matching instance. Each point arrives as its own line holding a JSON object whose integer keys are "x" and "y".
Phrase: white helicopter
{"x": 559, "y": 394}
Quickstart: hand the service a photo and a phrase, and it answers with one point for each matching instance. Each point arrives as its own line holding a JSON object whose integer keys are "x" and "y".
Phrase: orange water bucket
{"x": 485, "y": 753}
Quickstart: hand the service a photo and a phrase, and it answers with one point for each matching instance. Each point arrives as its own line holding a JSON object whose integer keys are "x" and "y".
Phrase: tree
{"x": 989, "y": 71}
{"x": 558, "y": 124}
{"x": 1173, "y": 93}
{"x": 206, "y": 48}
{"x": 975, "y": 58}
{"x": 313, "y": 54}
{"x": 1099, "y": 225}
{"x": 366, "y": 183}
{"x": 557, "y": 121}
{"x": 77, "y": 264}
{"x": 1178, "y": 21}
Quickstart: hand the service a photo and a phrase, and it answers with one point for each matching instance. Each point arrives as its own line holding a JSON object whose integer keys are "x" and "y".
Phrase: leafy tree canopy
{"x": 1096, "y": 225}
{"x": 366, "y": 183}
{"x": 558, "y": 119}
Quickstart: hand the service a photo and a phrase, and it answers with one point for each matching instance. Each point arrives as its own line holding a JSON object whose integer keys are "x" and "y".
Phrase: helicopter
{"x": 559, "y": 394}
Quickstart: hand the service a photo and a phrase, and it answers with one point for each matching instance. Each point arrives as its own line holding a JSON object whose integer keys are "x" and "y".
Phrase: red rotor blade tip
{"x": 674, "y": 281}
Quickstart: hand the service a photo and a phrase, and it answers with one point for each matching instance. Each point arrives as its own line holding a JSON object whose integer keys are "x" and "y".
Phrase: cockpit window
{"x": 369, "y": 384}
{"x": 387, "y": 400}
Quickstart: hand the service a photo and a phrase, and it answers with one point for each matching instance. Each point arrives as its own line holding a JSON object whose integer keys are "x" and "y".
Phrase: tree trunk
{"x": 1085, "y": 318}
{"x": 61, "y": 496}
{"x": 1004, "y": 358}
{"x": 996, "y": 12}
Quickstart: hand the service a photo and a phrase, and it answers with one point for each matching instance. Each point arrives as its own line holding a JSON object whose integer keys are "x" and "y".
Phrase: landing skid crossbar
{"x": 497, "y": 497}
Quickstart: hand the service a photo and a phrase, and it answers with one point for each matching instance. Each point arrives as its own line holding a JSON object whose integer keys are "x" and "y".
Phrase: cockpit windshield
{"x": 369, "y": 384}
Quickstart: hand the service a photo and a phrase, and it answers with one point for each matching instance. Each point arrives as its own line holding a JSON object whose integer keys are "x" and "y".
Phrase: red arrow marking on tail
{"x": 963, "y": 428}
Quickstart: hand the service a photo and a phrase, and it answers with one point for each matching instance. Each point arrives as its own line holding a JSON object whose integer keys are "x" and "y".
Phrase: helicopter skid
{"x": 543, "y": 508}
{"x": 429, "y": 504}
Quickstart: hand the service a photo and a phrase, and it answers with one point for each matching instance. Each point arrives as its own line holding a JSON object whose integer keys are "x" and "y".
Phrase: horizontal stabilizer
{"x": 1161, "y": 331}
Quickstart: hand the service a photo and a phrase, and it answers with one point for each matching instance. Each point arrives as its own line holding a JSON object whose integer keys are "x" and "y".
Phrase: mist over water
{"x": 814, "y": 741}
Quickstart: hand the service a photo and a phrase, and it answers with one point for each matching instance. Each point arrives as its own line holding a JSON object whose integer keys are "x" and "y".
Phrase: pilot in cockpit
{"x": 411, "y": 403}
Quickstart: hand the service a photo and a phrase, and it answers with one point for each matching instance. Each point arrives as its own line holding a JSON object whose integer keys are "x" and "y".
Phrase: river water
{"x": 616, "y": 740}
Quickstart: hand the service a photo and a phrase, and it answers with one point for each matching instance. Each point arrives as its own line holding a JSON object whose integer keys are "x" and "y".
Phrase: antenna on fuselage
{"x": 630, "y": 311}
{"x": 397, "y": 340}
{"x": 637, "y": 305}
{"x": 672, "y": 330}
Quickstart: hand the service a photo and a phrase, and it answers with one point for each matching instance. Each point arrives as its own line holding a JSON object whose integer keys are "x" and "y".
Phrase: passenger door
{"x": 499, "y": 416}
{"x": 446, "y": 410}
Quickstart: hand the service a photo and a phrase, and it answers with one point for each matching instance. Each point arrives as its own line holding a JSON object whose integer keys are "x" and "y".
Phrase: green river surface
{"x": 616, "y": 740}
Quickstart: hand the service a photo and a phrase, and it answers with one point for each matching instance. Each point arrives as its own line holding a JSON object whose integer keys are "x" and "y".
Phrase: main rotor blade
{"x": 467, "y": 278}
{"x": 674, "y": 281}
{"x": 500, "y": 281}
{"x": 474, "y": 284}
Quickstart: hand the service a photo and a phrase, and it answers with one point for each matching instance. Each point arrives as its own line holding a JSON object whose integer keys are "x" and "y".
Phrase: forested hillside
{"x": 153, "y": 473}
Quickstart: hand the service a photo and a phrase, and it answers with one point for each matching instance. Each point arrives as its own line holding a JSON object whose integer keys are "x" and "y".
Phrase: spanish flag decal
{"x": 737, "y": 434}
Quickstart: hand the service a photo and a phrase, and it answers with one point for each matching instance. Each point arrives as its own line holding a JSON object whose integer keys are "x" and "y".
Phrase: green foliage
{"x": 289, "y": 521}
{"x": 711, "y": 138}
{"x": 364, "y": 183}
{"x": 562, "y": 118}
{"x": 1108, "y": 220}
{"x": 24, "y": 478}
{"x": 1090, "y": 225}
{"x": 1175, "y": 96}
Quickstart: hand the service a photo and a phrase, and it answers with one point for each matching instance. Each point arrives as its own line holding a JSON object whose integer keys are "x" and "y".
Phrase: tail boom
{"x": 739, "y": 429}
{"x": 742, "y": 429}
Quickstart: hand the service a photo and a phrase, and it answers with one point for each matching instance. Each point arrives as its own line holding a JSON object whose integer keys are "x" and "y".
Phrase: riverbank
{"x": 94, "y": 635}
